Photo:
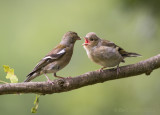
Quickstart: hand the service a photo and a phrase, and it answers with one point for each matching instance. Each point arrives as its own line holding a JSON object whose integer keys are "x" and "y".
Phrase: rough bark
{"x": 89, "y": 78}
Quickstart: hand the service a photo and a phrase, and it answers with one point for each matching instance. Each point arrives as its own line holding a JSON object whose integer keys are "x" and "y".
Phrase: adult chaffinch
{"x": 104, "y": 52}
{"x": 57, "y": 58}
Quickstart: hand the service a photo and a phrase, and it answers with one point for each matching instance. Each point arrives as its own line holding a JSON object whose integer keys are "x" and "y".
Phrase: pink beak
{"x": 86, "y": 41}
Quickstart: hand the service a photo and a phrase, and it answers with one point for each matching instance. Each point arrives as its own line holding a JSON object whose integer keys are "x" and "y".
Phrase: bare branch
{"x": 90, "y": 78}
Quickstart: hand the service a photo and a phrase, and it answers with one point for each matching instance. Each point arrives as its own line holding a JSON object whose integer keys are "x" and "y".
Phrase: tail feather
{"x": 31, "y": 76}
{"x": 131, "y": 54}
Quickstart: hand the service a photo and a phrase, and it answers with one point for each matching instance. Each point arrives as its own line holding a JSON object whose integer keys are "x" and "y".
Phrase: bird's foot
{"x": 118, "y": 70}
{"x": 50, "y": 82}
{"x": 68, "y": 77}
{"x": 101, "y": 69}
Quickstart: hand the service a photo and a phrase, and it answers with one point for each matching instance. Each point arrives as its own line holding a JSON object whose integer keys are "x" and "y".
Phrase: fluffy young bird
{"x": 56, "y": 59}
{"x": 104, "y": 52}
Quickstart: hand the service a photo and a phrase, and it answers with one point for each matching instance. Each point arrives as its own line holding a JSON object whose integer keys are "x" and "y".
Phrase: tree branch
{"x": 89, "y": 78}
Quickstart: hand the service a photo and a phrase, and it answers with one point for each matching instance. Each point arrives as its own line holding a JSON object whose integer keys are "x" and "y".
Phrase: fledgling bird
{"x": 104, "y": 52}
{"x": 57, "y": 58}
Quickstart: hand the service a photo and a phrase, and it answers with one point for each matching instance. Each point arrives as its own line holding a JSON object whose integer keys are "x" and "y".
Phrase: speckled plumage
{"x": 57, "y": 58}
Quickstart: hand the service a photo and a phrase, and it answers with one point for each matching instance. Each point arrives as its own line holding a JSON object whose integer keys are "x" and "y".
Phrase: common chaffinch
{"x": 57, "y": 58}
{"x": 104, "y": 52}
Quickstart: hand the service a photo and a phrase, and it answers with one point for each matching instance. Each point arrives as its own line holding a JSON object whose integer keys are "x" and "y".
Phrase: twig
{"x": 3, "y": 81}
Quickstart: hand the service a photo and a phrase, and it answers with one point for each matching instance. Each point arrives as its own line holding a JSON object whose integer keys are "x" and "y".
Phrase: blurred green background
{"x": 31, "y": 28}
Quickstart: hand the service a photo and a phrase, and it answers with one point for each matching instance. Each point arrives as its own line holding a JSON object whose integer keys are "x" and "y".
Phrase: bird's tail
{"x": 131, "y": 54}
{"x": 31, "y": 76}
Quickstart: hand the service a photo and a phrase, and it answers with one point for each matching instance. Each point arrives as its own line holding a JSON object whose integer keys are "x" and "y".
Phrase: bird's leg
{"x": 118, "y": 69}
{"x": 48, "y": 80}
{"x": 58, "y": 76}
{"x": 101, "y": 69}
{"x": 69, "y": 77}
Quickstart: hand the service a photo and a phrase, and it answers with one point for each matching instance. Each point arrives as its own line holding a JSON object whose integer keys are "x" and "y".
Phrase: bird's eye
{"x": 91, "y": 39}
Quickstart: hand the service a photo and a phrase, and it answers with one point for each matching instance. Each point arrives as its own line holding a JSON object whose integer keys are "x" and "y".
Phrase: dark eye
{"x": 91, "y": 39}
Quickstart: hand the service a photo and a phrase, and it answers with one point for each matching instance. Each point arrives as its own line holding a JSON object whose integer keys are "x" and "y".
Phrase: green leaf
{"x": 10, "y": 74}
{"x": 36, "y": 104}
{"x": 14, "y": 79}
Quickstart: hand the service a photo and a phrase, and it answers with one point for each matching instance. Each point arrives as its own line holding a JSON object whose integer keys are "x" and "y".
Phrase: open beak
{"x": 86, "y": 41}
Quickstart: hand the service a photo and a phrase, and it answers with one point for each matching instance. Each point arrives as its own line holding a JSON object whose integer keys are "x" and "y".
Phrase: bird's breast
{"x": 106, "y": 56}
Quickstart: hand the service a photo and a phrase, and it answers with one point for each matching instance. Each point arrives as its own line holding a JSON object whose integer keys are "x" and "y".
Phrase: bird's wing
{"x": 49, "y": 58}
{"x": 55, "y": 54}
{"x": 111, "y": 44}
{"x": 108, "y": 43}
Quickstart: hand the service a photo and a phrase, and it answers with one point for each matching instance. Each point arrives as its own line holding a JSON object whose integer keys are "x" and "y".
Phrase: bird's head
{"x": 70, "y": 38}
{"x": 91, "y": 40}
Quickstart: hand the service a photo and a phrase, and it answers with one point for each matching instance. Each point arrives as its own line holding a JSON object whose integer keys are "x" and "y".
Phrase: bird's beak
{"x": 86, "y": 41}
{"x": 79, "y": 38}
